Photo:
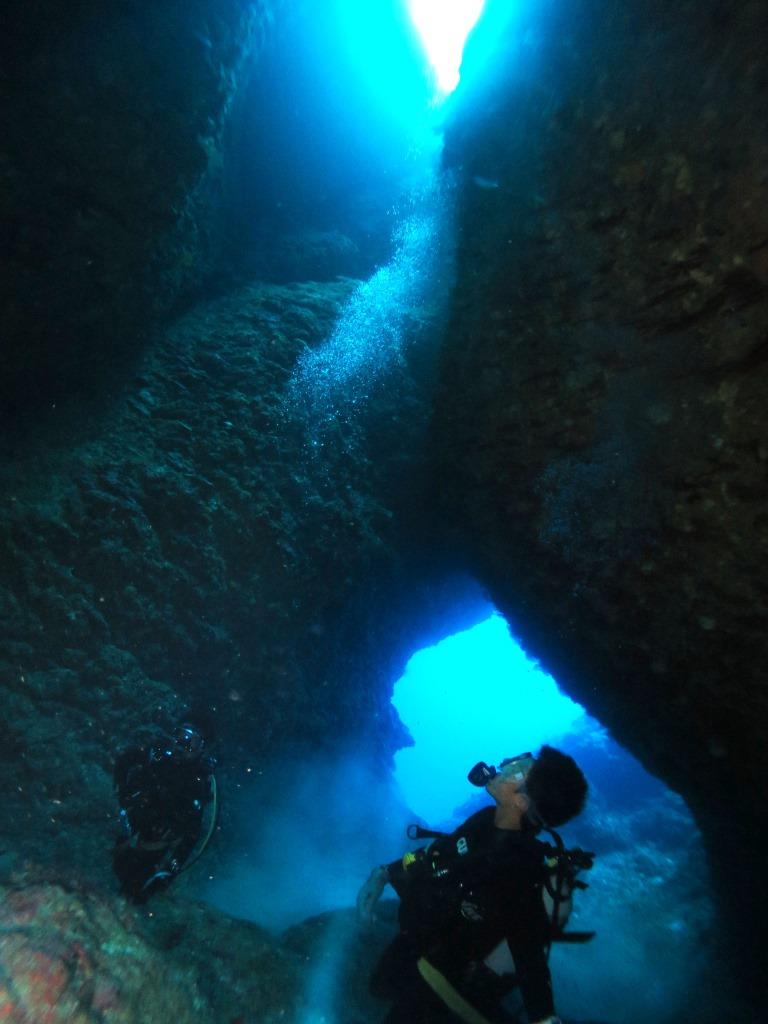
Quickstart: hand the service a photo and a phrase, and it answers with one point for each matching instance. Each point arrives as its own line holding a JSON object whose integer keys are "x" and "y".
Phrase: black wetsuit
{"x": 163, "y": 798}
{"x": 460, "y": 898}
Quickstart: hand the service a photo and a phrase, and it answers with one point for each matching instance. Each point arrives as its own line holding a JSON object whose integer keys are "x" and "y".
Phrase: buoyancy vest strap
{"x": 445, "y": 991}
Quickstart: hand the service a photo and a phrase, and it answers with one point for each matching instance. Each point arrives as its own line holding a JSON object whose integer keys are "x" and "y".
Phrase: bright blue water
{"x": 382, "y": 58}
{"x": 376, "y": 32}
{"x": 443, "y": 28}
{"x": 474, "y": 696}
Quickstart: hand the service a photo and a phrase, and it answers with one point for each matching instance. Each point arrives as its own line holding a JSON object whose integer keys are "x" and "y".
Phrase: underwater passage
{"x": 382, "y": 551}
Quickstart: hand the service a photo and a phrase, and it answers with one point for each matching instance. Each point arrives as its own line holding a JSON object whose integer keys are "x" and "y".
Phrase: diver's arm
{"x": 399, "y": 874}
{"x": 371, "y": 890}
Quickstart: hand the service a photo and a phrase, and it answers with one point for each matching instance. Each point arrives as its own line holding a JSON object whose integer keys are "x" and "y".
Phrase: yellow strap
{"x": 445, "y": 990}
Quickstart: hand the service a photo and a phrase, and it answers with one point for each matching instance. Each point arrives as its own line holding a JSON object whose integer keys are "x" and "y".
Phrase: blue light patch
{"x": 475, "y": 696}
{"x": 380, "y": 69}
{"x": 444, "y": 26}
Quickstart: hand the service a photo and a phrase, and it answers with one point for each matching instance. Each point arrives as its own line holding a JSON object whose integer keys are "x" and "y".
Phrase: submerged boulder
{"x": 68, "y": 954}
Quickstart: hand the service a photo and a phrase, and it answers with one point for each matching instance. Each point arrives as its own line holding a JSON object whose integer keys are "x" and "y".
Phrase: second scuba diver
{"x": 167, "y": 797}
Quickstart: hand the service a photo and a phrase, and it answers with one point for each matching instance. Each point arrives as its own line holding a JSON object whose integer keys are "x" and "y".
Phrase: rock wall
{"x": 601, "y": 431}
{"x": 208, "y": 541}
{"x": 67, "y": 954}
{"x": 185, "y": 555}
{"x": 182, "y": 542}
{"x": 70, "y": 952}
{"x": 112, "y": 116}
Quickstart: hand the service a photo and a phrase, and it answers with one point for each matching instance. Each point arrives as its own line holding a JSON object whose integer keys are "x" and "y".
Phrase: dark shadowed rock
{"x": 197, "y": 549}
{"x": 112, "y": 117}
{"x": 602, "y": 420}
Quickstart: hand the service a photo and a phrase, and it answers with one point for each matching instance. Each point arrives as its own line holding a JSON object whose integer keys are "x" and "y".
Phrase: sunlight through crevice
{"x": 444, "y": 27}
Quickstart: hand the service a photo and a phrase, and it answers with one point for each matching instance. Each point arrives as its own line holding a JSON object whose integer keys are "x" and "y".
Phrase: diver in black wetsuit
{"x": 167, "y": 796}
{"x": 468, "y": 892}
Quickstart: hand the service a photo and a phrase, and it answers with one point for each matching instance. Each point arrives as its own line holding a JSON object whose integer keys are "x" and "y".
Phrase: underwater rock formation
{"x": 602, "y": 423}
{"x": 69, "y": 952}
{"x": 199, "y": 548}
{"x": 183, "y": 554}
{"x": 599, "y": 440}
{"x": 66, "y": 954}
{"x": 112, "y": 117}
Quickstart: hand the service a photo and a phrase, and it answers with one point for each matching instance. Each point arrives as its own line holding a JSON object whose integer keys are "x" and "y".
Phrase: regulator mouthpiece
{"x": 481, "y": 774}
{"x": 516, "y": 768}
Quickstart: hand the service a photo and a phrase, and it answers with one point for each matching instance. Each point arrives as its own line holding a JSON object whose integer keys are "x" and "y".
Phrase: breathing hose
{"x": 214, "y": 816}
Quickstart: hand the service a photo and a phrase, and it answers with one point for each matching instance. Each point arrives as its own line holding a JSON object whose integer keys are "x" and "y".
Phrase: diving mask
{"x": 515, "y": 768}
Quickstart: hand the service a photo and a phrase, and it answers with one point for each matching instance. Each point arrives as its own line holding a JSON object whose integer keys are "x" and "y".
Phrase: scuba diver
{"x": 168, "y": 807}
{"x": 475, "y": 923}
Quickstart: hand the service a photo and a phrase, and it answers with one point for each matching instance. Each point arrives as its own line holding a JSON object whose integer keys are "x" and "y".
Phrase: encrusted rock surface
{"x": 602, "y": 422}
{"x": 192, "y": 544}
{"x": 72, "y": 953}
{"x": 69, "y": 955}
{"x": 170, "y": 556}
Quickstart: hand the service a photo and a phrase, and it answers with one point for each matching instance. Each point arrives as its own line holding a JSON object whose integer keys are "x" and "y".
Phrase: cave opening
{"x": 476, "y": 695}
{"x": 469, "y": 692}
